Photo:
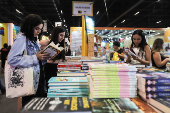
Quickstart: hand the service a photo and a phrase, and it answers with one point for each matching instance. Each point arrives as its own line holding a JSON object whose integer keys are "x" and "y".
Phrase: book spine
{"x": 67, "y": 90}
{"x": 146, "y": 81}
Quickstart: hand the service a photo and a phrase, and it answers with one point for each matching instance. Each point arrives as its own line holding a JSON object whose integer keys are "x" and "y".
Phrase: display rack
{"x": 94, "y": 45}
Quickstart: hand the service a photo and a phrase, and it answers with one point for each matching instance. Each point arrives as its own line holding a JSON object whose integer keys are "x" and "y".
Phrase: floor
{"x": 7, "y": 105}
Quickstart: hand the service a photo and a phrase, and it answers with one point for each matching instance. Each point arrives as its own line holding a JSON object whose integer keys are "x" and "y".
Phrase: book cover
{"x": 162, "y": 103}
{"x": 142, "y": 105}
{"x": 148, "y": 95}
{"x": 53, "y": 49}
{"x": 69, "y": 93}
{"x": 68, "y": 83}
{"x": 68, "y": 80}
{"x": 66, "y": 87}
{"x": 69, "y": 63}
{"x": 58, "y": 105}
{"x": 68, "y": 66}
{"x": 113, "y": 106}
{"x": 147, "y": 79}
{"x": 153, "y": 88}
{"x": 67, "y": 90}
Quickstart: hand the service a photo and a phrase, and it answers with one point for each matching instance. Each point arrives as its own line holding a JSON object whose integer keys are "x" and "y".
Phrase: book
{"x": 58, "y": 105}
{"x": 147, "y": 95}
{"x": 67, "y": 90}
{"x": 68, "y": 80}
{"x": 162, "y": 104}
{"x": 147, "y": 79}
{"x": 142, "y": 105}
{"x": 53, "y": 49}
{"x": 117, "y": 105}
{"x": 69, "y": 93}
{"x": 70, "y": 74}
{"x": 153, "y": 88}
{"x": 66, "y": 87}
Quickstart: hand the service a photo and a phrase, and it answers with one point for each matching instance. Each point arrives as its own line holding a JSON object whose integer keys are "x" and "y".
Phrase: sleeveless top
{"x": 162, "y": 58}
{"x": 140, "y": 55}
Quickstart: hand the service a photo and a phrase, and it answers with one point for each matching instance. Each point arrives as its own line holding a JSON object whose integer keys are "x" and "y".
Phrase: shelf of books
{"x": 90, "y": 85}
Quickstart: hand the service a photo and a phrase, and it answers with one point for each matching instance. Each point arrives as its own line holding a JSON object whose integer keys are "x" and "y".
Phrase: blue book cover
{"x": 67, "y": 90}
{"x": 67, "y": 80}
{"x": 157, "y": 95}
{"x": 164, "y": 101}
{"x": 154, "y": 80}
{"x": 70, "y": 93}
{"x": 157, "y": 88}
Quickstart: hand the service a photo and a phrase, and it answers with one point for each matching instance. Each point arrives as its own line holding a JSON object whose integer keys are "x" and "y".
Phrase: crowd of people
{"x": 44, "y": 69}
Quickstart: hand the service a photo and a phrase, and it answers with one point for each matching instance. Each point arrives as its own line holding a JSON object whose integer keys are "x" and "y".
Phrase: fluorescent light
{"x": 97, "y": 13}
{"x": 61, "y": 11}
{"x": 19, "y": 11}
{"x": 158, "y": 22}
{"x": 136, "y": 13}
{"x": 123, "y": 21}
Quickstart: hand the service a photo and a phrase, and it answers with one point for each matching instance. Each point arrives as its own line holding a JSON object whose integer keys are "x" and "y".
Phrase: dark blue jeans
{"x": 1, "y": 86}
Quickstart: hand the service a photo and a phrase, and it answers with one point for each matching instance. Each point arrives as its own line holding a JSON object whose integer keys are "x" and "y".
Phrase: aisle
{"x": 7, "y": 105}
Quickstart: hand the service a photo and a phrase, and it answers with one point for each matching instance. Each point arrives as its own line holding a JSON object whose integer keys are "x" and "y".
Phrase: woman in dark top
{"x": 116, "y": 46}
{"x": 158, "y": 60}
{"x": 50, "y": 68}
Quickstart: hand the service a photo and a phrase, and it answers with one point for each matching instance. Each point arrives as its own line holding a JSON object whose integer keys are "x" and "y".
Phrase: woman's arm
{"x": 157, "y": 59}
{"x": 16, "y": 57}
{"x": 147, "y": 56}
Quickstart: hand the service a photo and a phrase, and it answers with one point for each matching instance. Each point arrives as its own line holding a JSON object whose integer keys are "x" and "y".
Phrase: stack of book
{"x": 68, "y": 87}
{"x": 112, "y": 81}
{"x": 153, "y": 86}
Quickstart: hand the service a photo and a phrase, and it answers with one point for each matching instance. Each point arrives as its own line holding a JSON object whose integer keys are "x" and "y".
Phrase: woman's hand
{"x": 43, "y": 56}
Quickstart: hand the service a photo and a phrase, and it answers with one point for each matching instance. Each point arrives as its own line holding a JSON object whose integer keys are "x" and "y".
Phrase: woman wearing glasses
{"x": 27, "y": 39}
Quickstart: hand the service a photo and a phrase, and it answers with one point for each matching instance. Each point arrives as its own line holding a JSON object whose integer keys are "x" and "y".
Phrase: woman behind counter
{"x": 140, "y": 47}
{"x": 158, "y": 60}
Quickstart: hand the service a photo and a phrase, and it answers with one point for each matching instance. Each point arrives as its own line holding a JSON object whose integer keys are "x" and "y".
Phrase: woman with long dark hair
{"x": 30, "y": 29}
{"x": 158, "y": 60}
{"x": 50, "y": 68}
{"x": 140, "y": 48}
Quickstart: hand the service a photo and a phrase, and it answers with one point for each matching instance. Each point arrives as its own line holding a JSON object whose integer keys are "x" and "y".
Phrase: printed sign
{"x": 82, "y": 8}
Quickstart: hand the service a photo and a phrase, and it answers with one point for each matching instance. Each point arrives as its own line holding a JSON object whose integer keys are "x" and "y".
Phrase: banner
{"x": 82, "y": 8}
{"x": 167, "y": 35}
{"x": 89, "y": 26}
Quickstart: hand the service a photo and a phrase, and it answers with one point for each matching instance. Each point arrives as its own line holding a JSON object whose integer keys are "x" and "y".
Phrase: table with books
{"x": 104, "y": 88}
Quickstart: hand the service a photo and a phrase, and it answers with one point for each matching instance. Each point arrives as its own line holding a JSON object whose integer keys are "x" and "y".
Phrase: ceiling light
{"x": 114, "y": 26}
{"x": 105, "y": 29}
{"x": 136, "y": 13}
{"x": 123, "y": 21}
{"x": 19, "y": 11}
{"x": 158, "y": 22}
{"x": 158, "y": 0}
{"x": 61, "y": 12}
{"x": 64, "y": 20}
{"x": 97, "y": 13}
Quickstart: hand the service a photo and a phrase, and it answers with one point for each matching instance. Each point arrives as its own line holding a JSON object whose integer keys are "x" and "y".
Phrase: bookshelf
{"x": 94, "y": 45}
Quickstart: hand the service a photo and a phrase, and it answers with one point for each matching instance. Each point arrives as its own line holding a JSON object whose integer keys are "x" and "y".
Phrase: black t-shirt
{"x": 4, "y": 53}
{"x": 162, "y": 58}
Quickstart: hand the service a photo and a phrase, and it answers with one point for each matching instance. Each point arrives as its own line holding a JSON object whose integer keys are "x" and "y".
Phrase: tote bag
{"x": 18, "y": 81}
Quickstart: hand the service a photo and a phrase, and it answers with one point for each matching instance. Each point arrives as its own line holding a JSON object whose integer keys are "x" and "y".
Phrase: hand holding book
{"x": 54, "y": 51}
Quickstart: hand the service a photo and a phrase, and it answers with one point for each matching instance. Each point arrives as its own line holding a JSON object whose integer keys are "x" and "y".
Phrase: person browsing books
{"x": 50, "y": 68}
{"x": 31, "y": 28}
{"x": 140, "y": 48}
{"x": 116, "y": 46}
{"x": 158, "y": 60}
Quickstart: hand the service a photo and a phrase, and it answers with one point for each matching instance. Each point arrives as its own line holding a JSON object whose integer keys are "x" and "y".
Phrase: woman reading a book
{"x": 140, "y": 48}
{"x": 57, "y": 37}
{"x": 27, "y": 40}
{"x": 158, "y": 60}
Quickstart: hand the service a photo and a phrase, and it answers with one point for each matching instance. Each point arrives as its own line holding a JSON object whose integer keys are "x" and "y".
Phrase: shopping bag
{"x": 18, "y": 81}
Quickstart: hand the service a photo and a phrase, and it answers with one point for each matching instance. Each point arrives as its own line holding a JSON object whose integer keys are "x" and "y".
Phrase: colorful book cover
{"x": 113, "y": 77}
{"x": 67, "y": 90}
{"x": 68, "y": 83}
{"x": 148, "y": 95}
{"x": 153, "y": 88}
{"x": 70, "y": 93}
{"x": 67, "y": 79}
{"x": 153, "y": 80}
{"x": 66, "y": 87}
{"x": 114, "y": 106}
{"x": 58, "y": 105}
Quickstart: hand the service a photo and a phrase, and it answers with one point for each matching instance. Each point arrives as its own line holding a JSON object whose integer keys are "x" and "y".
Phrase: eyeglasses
{"x": 37, "y": 28}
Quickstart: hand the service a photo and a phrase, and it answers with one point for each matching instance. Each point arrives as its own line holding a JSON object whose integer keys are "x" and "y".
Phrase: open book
{"x": 53, "y": 49}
